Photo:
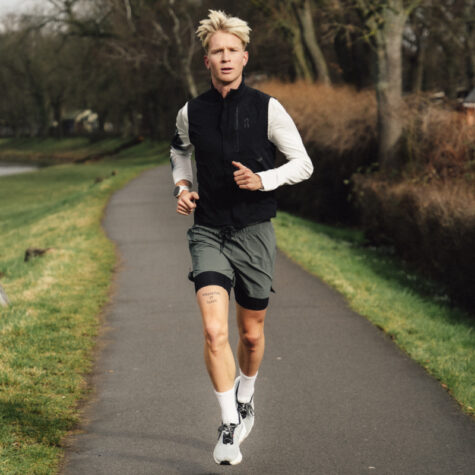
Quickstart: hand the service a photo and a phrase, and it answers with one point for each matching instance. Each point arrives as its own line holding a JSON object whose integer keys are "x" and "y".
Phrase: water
{"x": 7, "y": 168}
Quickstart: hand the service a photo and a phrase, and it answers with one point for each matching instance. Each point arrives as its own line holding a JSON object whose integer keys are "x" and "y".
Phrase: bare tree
{"x": 303, "y": 11}
{"x": 293, "y": 18}
{"x": 384, "y": 22}
{"x": 453, "y": 22}
{"x": 155, "y": 32}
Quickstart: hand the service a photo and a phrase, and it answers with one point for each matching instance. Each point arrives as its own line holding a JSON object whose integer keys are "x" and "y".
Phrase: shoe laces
{"x": 245, "y": 409}
{"x": 228, "y": 432}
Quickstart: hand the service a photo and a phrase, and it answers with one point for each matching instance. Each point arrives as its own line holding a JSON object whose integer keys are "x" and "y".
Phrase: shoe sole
{"x": 230, "y": 462}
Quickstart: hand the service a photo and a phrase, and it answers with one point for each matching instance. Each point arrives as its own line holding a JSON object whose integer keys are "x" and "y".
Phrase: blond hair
{"x": 219, "y": 21}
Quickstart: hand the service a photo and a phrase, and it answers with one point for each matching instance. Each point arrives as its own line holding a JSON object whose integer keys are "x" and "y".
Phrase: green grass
{"x": 412, "y": 310}
{"x": 50, "y": 151}
{"x": 48, "y": 332}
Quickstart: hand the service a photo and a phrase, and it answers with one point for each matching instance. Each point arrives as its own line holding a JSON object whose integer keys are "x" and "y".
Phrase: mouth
{"x": 226, "y": 70}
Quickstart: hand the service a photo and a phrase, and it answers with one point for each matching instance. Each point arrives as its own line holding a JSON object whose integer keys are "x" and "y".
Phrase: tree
{"x": 384, "y": 22}
{"x": 303, "y": 12}
{"x": 293, "y": 18}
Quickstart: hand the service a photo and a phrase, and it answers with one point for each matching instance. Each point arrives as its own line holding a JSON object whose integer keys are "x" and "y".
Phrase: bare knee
{"x": 216, "y": 337}
{"x": 252, "y": 338}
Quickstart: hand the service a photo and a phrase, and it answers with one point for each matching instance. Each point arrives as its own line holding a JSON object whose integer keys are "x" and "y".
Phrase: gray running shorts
{"x": 240, "y": 258}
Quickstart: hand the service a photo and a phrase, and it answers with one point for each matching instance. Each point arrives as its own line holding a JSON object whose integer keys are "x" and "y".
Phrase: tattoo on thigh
{"x": 211, "y": 296}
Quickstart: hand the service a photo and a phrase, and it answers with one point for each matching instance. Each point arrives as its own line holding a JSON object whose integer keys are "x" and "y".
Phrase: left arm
{"x": 283, "y": 133}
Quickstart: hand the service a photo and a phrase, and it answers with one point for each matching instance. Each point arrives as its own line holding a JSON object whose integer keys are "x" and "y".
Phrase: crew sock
{"x": 246, "y": 387}
{"x": 227, "y": 403}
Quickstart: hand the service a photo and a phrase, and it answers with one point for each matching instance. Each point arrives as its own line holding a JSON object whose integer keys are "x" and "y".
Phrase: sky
{"x": 19, "y": 6}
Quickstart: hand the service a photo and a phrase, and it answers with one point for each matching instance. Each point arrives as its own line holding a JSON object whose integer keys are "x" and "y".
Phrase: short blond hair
{"x": 219, "y": 21}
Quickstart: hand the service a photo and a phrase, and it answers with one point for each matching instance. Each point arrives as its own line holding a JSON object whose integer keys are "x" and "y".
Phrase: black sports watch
{"x": 178, "y": 189}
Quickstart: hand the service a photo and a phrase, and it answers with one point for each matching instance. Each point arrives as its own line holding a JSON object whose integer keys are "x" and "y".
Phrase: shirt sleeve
{"x": 181, "y": 149}
{"x": 283, "y": 133}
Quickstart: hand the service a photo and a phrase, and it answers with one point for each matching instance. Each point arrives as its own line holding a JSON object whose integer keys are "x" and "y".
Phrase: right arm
{"x": 180, "y": 159}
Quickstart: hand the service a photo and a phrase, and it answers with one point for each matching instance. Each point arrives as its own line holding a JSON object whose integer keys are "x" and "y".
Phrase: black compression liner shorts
{"x": 240, "y": 258}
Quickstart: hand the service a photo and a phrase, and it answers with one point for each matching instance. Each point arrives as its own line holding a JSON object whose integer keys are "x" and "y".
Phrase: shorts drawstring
{"x": 227, "y": 232}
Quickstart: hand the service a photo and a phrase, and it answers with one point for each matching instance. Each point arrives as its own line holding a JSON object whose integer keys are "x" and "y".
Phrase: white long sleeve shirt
{"x": 281, "y": 131}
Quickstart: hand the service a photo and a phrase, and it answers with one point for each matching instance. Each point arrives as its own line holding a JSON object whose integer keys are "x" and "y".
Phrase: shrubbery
{"x": 431, "y": 225}
{"x": 338, "y": 126}
{"x": 440, "y": 144}
{"x": 426, "y": 211}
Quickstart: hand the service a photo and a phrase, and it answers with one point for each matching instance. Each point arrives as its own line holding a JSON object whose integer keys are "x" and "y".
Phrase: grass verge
{"x": 412, "y": 310}
{"x": 50, "y": 151}
{"x": 47, "y": 333}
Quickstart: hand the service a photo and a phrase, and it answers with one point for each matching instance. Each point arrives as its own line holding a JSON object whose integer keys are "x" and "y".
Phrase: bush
{"x": 431, "y": 225}
{"x": 429, "y": 216}
{"x": 440, "y": 142}
{"x": 338, "y": 127}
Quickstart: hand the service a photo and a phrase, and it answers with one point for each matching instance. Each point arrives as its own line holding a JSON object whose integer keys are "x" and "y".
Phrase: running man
{"x": 234, "y": 131}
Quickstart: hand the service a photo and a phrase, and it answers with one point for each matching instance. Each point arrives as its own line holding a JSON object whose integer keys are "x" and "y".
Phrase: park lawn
{"x": 50, "y": 151}
{"x": 48, "y": 332}
{"x": 413, "y": 311}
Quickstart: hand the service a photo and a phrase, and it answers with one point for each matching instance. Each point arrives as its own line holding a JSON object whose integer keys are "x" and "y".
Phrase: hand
{"x": 245, "y": 178}
{"x": 186, "y": 202}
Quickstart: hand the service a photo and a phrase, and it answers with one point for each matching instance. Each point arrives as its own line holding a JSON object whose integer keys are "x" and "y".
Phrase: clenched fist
{"x": 245, "y": 178}
{"x": 186, "y": 202}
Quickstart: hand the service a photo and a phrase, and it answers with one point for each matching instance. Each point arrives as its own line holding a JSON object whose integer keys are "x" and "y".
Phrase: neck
{"x": 224, "y": 88}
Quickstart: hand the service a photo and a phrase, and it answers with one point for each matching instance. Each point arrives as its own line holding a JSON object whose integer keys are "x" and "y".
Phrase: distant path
{"x": 14, "y": 168}
{"x": 334, "y": 395}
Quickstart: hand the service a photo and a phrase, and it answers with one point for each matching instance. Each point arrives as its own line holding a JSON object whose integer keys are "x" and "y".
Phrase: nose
{"x": 225, "y": 56}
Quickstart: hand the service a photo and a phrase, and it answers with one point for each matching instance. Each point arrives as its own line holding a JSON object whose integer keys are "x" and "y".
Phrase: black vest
{"x": 229, "y": 129}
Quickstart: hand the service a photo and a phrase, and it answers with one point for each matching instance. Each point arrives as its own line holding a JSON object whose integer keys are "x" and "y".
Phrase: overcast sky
{"x": 19, "y": 6}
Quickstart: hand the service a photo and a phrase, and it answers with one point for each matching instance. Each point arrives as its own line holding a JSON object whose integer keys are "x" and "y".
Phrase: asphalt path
{"x": 334, "y": 395}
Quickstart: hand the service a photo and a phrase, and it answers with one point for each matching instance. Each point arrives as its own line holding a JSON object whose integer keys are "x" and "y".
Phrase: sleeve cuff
{"x": 269, "y": 180}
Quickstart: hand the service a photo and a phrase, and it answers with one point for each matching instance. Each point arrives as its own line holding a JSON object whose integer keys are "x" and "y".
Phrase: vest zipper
{"x": 236, "y": 129}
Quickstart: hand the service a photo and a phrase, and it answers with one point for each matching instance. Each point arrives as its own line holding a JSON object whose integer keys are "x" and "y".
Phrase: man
{"x": 234, "y": 131}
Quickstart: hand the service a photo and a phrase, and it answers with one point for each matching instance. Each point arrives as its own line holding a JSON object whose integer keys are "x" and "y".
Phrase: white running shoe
{"x": 246, "y": 411}
{"x": 227, "y": 450}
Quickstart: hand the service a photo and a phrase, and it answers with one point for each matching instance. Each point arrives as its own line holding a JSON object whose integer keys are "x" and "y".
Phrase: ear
{"x": 206, "y": 60}
{"x": 245, "y": 57}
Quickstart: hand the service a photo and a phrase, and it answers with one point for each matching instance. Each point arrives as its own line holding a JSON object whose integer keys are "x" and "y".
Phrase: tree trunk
{"x": 470, "y": 54}
{"x": 304, "y": 15}
{"x": 302, "y": 68}
{"x": 418, "y": 71}
{"x": 389, "y": 85}
{"x": 185, "y": 56}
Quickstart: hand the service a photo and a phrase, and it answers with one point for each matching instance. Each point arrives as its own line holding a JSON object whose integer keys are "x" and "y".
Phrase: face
{"x": 226, "y": 59}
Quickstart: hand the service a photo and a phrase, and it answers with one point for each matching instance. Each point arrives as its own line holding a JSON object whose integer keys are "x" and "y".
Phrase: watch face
{"x": 176, "y": 191}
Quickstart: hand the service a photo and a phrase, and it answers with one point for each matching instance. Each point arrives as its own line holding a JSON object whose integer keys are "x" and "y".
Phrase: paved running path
{"x": 334, "y": 395}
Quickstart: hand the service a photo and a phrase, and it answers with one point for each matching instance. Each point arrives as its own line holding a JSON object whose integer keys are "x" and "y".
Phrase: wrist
{"x": 179, "y": 189}
{"x": 261, "y": 185}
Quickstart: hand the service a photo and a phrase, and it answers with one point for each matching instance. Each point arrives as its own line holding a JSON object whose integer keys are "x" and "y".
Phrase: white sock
{"x": 227, "y": 403}
{"x": 246, "y": 387}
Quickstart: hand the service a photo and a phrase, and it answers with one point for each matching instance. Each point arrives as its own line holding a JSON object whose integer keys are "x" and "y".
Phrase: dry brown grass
{"x": 428, "y": 215}
{"x": 441, "y": 144}
{"x": 332, "y": 117}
